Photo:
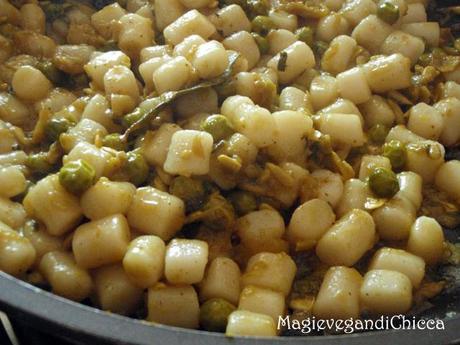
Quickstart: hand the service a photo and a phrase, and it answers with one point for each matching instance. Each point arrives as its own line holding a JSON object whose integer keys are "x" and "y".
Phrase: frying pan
{"x": 36, "y": 311}
{"x": 32, "y": 309}
{"x": 82, "y": 325}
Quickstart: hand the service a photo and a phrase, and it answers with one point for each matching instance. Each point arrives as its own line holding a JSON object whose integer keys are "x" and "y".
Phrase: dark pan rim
{"x": 51, "y": 313}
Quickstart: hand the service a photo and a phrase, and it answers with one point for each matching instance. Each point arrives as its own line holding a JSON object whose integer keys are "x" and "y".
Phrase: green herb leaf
{"x": 168, "y": 97}
{"x": 282, "y": 62}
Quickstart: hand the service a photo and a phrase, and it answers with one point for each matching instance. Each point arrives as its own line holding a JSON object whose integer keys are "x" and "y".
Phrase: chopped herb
{"x": 282, "y": 62}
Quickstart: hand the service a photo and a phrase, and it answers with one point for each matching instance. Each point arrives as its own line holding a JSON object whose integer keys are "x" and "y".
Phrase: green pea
{"x": 218, "y": 213}
{"x": 214, "y": 314}
{"x": 77, "y": 176}
{"x": 191, "y": 191}
{"x": 262, "y": 25}
{"x": 395, "y": 151}
{"x": 388, "y": 12}
{"x": 56, "y": 126}
{"x": 132, "y": 118}
{"x": 218, "y": 126}
{"x": 305, "y": 34}
{"x": 243, "y": 202}
{"x": 38, "y": 163}
{"x": 262, "y": 43}
{"x": 114, "y": 141}
{"x": 50, "y": 71}
{"x": 136, "y": 168}
{"x": 383, "y": 183}
{"x": 378, "y": 133}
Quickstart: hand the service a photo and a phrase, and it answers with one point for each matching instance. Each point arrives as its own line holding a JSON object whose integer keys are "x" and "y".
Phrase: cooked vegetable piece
{"x": 395, "y": 151}
{"x": 131, "y": 118}
{"x": 378, "y": 133}
{"x": 262, "y": 25}
{"x": 388, "y": 12}
{"x": 305, "y": 34}
{"x": 56, "y": 126}
{"x": 77, "y": 176}
{"x": 214, "y": 314}
{"x": 191, "y": 191}
{"x": 383, "y": 183}
{"x": 39, "y": 163}
{"x": 243, "y": 202}
{"x": 262, "y": 43}
{"x": 218, "y": 126}
{"x": 136, "y": 168}
{"x": 114, "y": 141}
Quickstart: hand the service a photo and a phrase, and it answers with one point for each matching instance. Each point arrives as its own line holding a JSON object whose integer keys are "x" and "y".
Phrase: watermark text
{"x": 347, "y": 326}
